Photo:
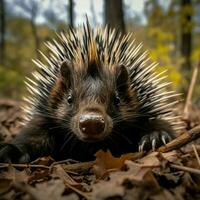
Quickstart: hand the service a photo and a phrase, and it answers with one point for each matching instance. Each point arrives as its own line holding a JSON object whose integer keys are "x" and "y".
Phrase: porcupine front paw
{"x": 154, "y": 140}
{"x": 10, "y": 153}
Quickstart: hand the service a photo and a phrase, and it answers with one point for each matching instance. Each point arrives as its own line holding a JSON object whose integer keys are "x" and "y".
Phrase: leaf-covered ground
{"x": 171, "y": 173}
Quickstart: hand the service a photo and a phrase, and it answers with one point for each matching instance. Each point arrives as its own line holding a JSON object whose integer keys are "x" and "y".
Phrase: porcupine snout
{"x": 91, "y": 124}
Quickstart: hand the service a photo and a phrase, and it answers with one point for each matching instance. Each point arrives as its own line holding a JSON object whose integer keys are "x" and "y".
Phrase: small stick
{"x": 186, "y": 169}
{"x": 190, "y": 90}
{"x": 182, "y": 140}
{"x": 64, "y": 162}
{"x": 196, "y": 153}
{"x": 78, "y": 167}
{"x": 5, "y": 165}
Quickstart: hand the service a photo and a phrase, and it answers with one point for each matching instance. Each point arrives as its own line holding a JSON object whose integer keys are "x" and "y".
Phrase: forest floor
{"x": 170, "y": 173}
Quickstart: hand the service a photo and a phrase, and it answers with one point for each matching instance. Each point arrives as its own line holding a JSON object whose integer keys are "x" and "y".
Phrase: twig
{"x": 182, "y": 140}
{"x": 186, "y": 169}
{"x": 190, "y": 90}
{"x": 78, "y": 167}
{"x": 5, "y": 165}
{"x": 196, "y": 153}
{"x": 64, "y": 161}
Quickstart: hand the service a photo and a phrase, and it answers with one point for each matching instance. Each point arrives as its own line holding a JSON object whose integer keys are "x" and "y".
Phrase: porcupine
{"x": 98, "y": 91}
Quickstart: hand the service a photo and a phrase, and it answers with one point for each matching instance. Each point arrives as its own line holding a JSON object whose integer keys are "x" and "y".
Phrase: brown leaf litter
{"x": 170, "y": 173}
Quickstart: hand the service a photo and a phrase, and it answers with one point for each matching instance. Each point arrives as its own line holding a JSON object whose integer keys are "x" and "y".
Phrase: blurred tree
{"x": 154, "y": 12}
{"x": 2, "y": 31}
{"x": 71, "y": 13}
{"x": 186, "y": 26}
{"x": 161, "y": 33}
{"x": 51, "y": 18}
{"x": 93, "y": 12}
{"x": 20, "y": 50}
{"x": 173, "y": 34}
{"x": 32, "y": 8}
{"x": 114, "y": 15}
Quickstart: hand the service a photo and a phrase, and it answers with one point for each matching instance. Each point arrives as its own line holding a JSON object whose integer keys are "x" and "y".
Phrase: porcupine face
{"x": 93, "y": 101}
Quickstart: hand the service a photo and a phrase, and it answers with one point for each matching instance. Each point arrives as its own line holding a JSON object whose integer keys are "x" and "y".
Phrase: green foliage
{"x": 164, "y": 26}
{"x": 186, "y": 11}
{"x": 20, "y": 50}
{"x": 11, "y": 83}
{"x": 161, "y": 50}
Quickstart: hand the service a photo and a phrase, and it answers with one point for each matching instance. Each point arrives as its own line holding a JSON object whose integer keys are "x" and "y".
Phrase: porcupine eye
{"x": 116, "y": 99}
{"x": 70, "y": 99}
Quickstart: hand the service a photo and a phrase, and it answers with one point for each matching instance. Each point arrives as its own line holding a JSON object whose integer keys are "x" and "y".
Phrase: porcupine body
{"x": 98, "y": 91}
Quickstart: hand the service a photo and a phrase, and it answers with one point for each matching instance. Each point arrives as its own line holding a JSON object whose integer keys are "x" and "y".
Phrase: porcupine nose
{"x": 91, "y": 124}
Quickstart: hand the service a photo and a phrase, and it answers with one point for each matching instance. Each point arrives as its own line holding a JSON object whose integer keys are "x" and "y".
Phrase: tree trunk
{"x": 186, "y": 35}
{"x": 93, "y": 12}
{"x": 71, "y": 13}
{"x": 35, "y": 37}
{"x": 2, "y": 31}
{"x": 114, "y": 15}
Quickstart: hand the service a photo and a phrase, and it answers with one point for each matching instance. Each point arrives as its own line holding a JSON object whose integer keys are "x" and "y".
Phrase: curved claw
{"x": 141, "y": 147}
{"x": 154, "y": 140}
{"x": 163, "y": 138}
{"x": 153, "y": 143}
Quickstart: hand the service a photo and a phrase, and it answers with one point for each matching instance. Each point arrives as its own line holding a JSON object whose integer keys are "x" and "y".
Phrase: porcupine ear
{"x": 122, "y": 78}
{"x": 65, "y": 71}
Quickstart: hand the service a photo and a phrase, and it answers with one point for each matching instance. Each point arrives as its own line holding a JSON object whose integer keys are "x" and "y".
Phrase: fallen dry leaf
{"x": 5, "y": 185}
{"x": 10, "y": 178}
{"x": 14, "y": 175}
{"x": 106, "y": 161}
{"x": 154, "y": 159}
{"x": 39, "y": 176}
{"x": 51, "y": 190}
{"x": 122, "y": 181}
{"x": 47, "y": 161}
{"x": 148, "y": 177}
